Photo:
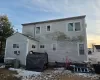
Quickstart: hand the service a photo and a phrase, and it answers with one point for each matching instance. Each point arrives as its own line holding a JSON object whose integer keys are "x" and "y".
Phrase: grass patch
{"x": 8, "y": 75}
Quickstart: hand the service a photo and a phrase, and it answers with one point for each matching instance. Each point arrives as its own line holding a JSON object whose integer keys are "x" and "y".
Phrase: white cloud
{"x": 72, "y": 8}
{"x": 63, "y": 6}
{"x": 68, "y": 8}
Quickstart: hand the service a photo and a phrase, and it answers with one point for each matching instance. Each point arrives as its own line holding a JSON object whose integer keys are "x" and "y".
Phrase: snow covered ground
{"x": 49, "y": 74}
{"x": 3, "y": 66}
{"x": 94, "y": 57}
{"x": 25, "y": 73}
{"x": 87, "y": 75}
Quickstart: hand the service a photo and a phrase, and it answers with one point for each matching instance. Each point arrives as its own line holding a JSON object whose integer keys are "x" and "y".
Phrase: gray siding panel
{"x": 17, "y": 39}
{"x": 68, "y": 49}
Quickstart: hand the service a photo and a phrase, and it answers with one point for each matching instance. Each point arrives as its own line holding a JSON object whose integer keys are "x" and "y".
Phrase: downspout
{"x": 35, "y": 36}
{"x": 34, "y": 30}
{"x": 93, "y": 47}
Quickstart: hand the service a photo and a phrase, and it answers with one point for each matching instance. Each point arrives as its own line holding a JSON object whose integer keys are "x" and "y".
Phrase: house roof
{"x": 69, "y": 18}
{"x": 29, "y": 37}
{"x": 97, "y": 46}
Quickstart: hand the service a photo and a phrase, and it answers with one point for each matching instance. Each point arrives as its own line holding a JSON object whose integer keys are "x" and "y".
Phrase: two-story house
{"x": 60, "y": 38}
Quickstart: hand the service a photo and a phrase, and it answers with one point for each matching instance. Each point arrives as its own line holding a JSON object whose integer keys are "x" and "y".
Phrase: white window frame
{"x": 80, "y": 26}
{"x": 78, "y": 49}
{"x": 16, "y": 45}
{"x": 35, "y": 30}
{"x": 74, "y": 26}
{"x": 33, "y": 45}
{"x": 17, "y": 52}
{"x": 46, "y": 27}
{"x": 52, "y": 46}
{"x": 40, "y": 45}
{"x": 68, "y": 27}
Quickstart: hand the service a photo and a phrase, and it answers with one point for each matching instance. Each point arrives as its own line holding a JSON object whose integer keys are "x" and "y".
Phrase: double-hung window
{"x": 33, "y": 46}
{"x": 54, "y": 46}
{"x": 37, "y": 30}
{"x": 17, "y": 52}
{"x": 74, "y": 26}
{"x": 42, "y": 46}
{"x": 77, "y": 26}
{"x": 70, "y": 26}
{"x": 15, "y": 46}
{"x": 81, "y": 49}
{"x": 48, "y": 28}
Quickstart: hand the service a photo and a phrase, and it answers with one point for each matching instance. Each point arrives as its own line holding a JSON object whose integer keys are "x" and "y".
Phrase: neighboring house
{"x": 96, "y": 48}
{"x": 60, "y": 38}
{"x": 95, "y": 56}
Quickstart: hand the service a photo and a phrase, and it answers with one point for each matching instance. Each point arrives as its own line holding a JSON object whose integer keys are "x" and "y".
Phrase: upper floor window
{"x": 77, "y": 26}
{"x": 81, "y": 49}
{"x": 48, "y": 28}
{"x": 37, "y": 30}
{"x": 41, "y": 46}
{"x": 15, "y": 46}
{"x": 70, "y": 26}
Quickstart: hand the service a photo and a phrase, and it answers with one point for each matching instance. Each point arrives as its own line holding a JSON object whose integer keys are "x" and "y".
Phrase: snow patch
{"x": 87, "y": 75}
{"x": 3, "y": 66}
{"x": 25, "y": 73}
{"x": 58, "y": 70}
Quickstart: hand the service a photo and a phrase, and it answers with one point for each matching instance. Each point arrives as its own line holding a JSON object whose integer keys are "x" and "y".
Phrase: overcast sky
{"x": 22, "y": 11}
